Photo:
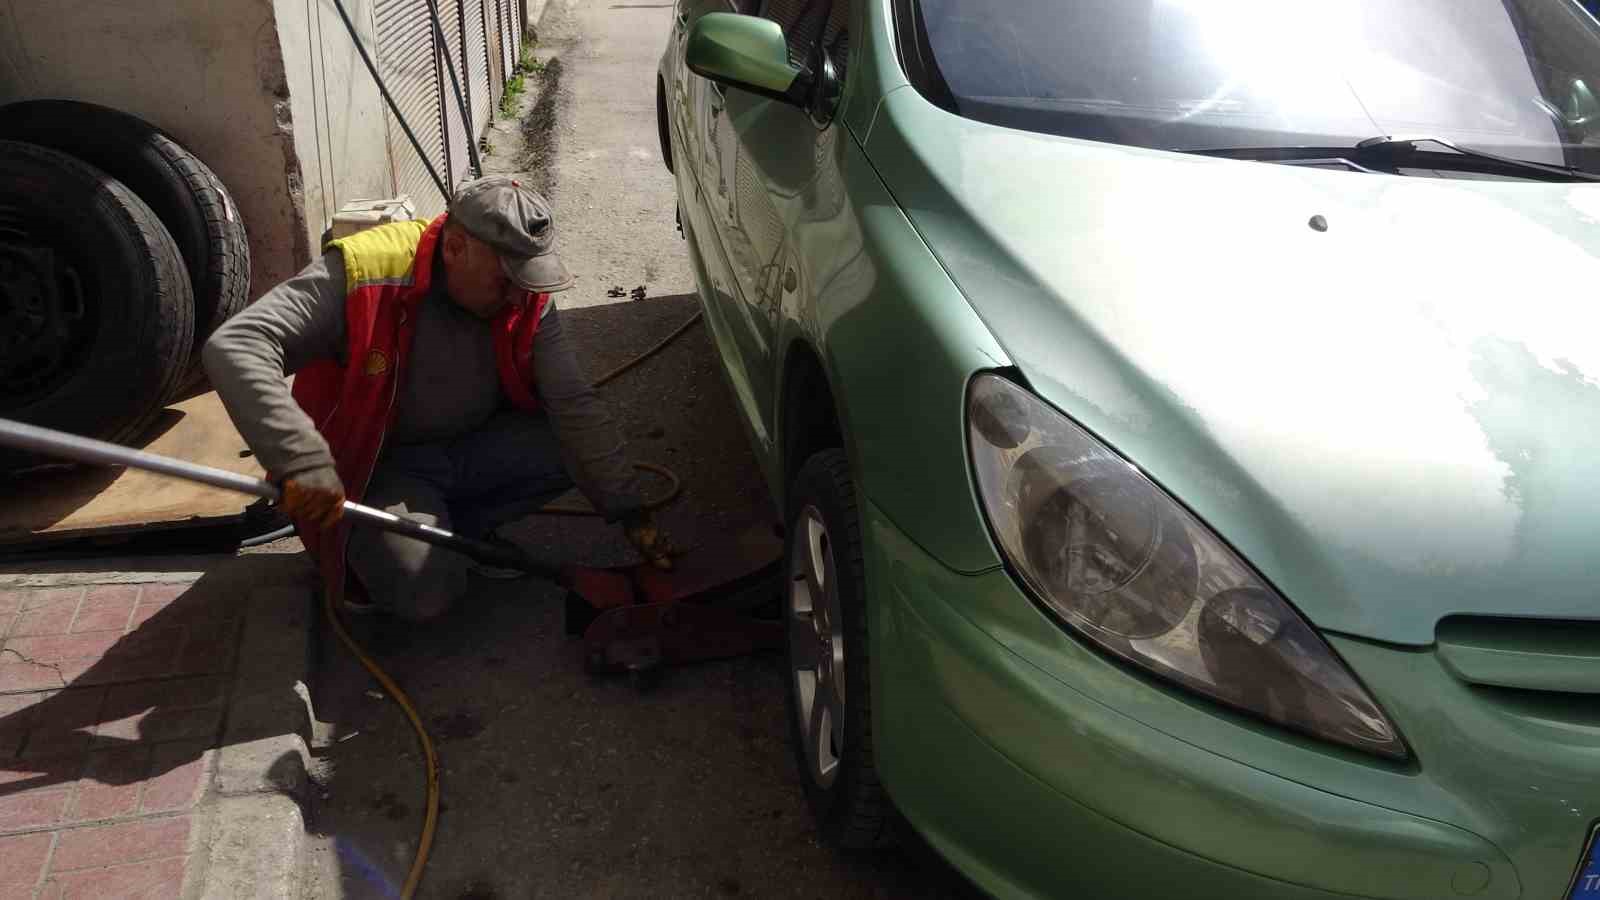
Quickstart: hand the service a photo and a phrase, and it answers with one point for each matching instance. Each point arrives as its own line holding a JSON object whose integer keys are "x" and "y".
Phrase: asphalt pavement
{"x": 555, "y": 783}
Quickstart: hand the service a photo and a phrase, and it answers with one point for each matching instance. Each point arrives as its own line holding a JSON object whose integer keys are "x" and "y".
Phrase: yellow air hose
{"x": 430, "y": 818}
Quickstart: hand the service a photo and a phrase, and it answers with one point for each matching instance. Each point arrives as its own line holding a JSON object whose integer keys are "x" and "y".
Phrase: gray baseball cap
{"x": 505, "y": 212}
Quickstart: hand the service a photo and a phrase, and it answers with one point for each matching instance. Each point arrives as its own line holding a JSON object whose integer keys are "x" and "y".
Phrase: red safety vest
{"x": 388, "y": 271}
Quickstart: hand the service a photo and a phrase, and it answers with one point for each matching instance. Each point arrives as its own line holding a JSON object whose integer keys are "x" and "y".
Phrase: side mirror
{"x": 746, "y": 52}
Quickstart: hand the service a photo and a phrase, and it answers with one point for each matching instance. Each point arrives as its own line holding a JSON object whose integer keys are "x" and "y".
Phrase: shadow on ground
{"x": 49, "y": 490}
{"x": 559, "y": 784}
{"x": 114, "y": 684}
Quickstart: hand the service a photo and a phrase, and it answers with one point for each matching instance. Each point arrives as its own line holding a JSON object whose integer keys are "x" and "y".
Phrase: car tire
{"x": 97, "y": 318}
{"x": 824, "y": 610}
{"x": 187, "y": 196}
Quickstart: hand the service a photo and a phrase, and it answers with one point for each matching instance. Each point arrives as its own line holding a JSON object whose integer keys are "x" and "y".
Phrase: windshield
{"x": 1520, "y": 78}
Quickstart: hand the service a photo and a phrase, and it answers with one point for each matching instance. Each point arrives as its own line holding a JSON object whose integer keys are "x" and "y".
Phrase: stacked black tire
{"x": 120, "y": 253}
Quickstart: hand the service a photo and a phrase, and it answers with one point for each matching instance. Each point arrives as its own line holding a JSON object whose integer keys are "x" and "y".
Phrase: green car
{"x": 1186, "y": 414}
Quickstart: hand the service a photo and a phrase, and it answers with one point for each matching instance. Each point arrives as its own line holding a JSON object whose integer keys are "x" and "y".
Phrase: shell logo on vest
{"x": 377, "y": 363}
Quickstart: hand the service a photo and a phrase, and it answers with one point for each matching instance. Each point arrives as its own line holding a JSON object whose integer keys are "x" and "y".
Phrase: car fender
{"x": 898, "y": 343}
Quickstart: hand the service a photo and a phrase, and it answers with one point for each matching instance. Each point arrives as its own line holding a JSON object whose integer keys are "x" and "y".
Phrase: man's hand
{"x": 315, "y": 494}
{"x": 648, "y": 539}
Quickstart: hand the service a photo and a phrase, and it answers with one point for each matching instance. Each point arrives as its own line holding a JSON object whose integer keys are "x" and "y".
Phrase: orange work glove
{"x": 315, "y": 494}
{"x": 648, "y": 538}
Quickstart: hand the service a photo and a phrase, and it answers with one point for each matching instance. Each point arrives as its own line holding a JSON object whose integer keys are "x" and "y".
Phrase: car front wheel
{"x": 829, "y": 689}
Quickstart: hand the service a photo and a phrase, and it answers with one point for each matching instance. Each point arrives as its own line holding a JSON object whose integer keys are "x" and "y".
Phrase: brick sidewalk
{"x": 114, "y": 701}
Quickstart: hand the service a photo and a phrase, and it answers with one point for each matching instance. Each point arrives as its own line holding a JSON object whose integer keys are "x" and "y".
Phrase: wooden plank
{"x": 60, "y": 503}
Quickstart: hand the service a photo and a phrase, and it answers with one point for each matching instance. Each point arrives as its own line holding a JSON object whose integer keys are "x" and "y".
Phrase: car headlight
{"x": 1112, "y": 556}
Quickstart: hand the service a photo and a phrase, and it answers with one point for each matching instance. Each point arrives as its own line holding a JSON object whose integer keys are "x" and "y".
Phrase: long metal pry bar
{"x": 49, "y": 442}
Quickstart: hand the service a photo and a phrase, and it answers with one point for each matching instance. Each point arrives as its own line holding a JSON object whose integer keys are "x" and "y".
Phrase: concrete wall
{"x": 340, "y": 119}
{"x": 209, "y": 73}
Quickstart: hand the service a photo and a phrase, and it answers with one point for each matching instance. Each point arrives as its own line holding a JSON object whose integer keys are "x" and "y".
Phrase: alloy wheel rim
{"x": 816, "y": 646}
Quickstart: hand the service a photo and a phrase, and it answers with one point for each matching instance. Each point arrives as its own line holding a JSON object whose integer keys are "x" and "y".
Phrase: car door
{"x": 704, "y": 197}
{"x": 769, "y": 156}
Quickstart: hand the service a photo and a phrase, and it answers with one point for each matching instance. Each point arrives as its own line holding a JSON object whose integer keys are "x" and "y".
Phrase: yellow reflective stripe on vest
{"x": 381, "y": 255}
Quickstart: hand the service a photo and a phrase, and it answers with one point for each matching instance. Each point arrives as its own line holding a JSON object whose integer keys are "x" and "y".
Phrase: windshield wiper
{"x": 1395, "y": 149}
{"x": 1388, "y": 153}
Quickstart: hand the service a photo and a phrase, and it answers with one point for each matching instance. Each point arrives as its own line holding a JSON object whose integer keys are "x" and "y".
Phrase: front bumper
{"x": 1040, "y": 768}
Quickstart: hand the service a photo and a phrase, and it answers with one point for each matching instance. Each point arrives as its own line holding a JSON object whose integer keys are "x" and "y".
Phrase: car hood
{"x": 1395, "y": 418}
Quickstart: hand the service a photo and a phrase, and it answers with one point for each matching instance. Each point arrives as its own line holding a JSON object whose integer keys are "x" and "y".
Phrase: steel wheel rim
{"x": 816, "y": 647}
{"x": 46, "y": 324}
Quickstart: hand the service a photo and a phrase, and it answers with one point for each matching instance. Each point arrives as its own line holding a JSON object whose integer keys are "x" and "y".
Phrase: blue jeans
{"x": 508, "y": 468}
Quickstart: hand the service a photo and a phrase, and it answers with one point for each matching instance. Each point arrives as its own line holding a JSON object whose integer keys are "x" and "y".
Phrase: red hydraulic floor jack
{"x": 640, "y": 619}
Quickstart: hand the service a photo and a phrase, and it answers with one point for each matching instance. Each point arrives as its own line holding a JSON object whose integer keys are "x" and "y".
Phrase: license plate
{"x": 1586, "y": 886}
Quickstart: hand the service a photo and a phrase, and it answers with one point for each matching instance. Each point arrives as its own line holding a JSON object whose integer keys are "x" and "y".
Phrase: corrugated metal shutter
{"x": 497, "y": 62}
{"x": 803, "y": 24}
{"x": 458, "y": 128}
{"x": 836, "y": 36}
{"x": 478, "y": 62}
{"x": 408, "y": 60}
{"x": 508, "y": 36}
{"x": 799, "y": 28}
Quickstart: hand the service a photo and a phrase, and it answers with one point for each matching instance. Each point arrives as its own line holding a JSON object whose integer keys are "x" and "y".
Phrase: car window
{"x": 1516, "y": 77}
{"x": 805, "y": 21}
